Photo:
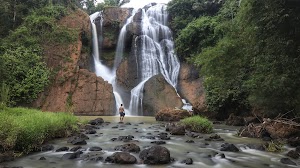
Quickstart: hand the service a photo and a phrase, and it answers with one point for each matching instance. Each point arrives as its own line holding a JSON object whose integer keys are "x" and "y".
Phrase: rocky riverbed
{"x": 143, "y": 142}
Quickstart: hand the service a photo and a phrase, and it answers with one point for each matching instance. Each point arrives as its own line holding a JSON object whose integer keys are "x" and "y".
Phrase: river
{"x": 202, "y": 152}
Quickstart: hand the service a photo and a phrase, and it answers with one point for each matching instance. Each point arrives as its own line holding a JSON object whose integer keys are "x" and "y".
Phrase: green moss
{"x": 108, "y": 55}
{"x": 198, "y": 124}
{"x": 23, "y": 129}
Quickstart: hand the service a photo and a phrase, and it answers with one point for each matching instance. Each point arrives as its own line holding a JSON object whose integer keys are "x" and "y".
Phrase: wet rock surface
{"x": 121, "y": 158}
{"x": 155, "y": 155}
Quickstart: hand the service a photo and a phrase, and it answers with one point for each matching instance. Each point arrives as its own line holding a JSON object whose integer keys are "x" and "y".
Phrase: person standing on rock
{"x": 122, "y": 112}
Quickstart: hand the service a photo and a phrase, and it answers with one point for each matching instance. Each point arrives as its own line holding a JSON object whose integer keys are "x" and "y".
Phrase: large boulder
{"x": 128, "y": 148}
{"x": 171, "y": 115}
{"x": 121, "y": 158}
{"x": 159, "y": 94}
{"x": 190, "y": 87}
{"x": 155, "y": 155}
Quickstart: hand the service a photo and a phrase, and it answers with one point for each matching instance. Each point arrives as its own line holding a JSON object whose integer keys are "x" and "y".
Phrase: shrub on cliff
{"x": 23, "y": 130}
{"x": 197, "y": 124}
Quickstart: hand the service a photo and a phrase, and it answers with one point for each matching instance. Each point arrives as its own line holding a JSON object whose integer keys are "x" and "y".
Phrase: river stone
{"x": 97, "y": 121}
{"x": 287, "y": 161}
{"x": 90, "y": 131}
{"x": 128, "y": 148}
{"x": 190, "y": 141}
{"x": 294, "y": 141}
{"x": 158, "y": 142}
{"x": 163, "y": 136}
{"x": 78, "y": 139}
{"x": 76, "y": 148}
{"x": 95, "y": 148}
{"x": 214, "y": 137}
{"x": 42, "y": 158}
{"x": 71, "y": 155}
{"x": 293, "y": 154}
{"x": 188, "y": 161}
{"x": 229, "y": 147}
{"x": 155, "y": 155}
{"x": 62, "y": 149}
{"x": 125, "y": 138}
{"x": 121, "y": 158}
{"x": 298, "y": 149}
{"x": 177, "y": 130}
{"x": 45, "y": 148}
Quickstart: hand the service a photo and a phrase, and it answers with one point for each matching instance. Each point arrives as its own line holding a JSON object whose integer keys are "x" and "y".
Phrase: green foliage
{"x": 199, "y": 33}
{"x": 248, "y": 55}
{"x": 4, "y": 96}
{"x": 22, "y": 65}
{"x": 24, "y": 129}
{"x": 28, "y": 74}
{"x": 184, "y": 11}
{"x": 274, "y": 146}
{"x": 198, "y": 124}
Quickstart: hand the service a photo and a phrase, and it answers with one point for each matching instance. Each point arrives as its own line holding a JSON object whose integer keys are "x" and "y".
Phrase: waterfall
{"x": 100, "y": 69}
{"x": 156, "y": 53}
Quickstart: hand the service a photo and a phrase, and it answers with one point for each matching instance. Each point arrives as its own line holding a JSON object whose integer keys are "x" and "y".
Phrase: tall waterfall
{"x": 156, "y": 53}
{"x": 100, "y": 69}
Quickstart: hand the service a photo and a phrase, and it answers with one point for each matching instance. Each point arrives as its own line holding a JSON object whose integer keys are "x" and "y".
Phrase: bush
{"x": 198, "y": 124}
{"x": 24, "y": 129}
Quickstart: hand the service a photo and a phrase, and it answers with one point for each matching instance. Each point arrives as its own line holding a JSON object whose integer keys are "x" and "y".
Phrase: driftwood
{"x": 275, "y": 128}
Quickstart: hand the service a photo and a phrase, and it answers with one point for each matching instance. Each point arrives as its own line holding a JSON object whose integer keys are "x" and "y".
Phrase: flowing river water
{"x": 203, "y": 153}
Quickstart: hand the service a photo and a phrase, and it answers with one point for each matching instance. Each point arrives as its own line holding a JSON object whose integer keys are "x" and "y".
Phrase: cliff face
{"x": 190, "y": 87}
{"x": 74, "y": 88}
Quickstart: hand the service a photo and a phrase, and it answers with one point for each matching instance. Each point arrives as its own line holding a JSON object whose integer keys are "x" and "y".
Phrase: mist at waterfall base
{"x": 156, "y": 54}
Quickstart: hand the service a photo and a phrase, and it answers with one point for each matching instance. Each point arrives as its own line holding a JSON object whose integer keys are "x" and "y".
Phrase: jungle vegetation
{"x": 248, "y": 52}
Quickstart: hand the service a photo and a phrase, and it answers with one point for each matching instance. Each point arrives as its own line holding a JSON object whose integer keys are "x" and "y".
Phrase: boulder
{"x": 293, "y": 154}
{"x": 158, "y": 142}
{"x": 287, "y": 161}
{"x": 78, "y": 139}
{"x": 188, "y": 161}
{"x": 62, "y": 149}
{"x": 95, "y": 148}
{"x": 190, "y": 87}
{"x": 71, "y": 155}
{"x": 229, "y": 147}
{"x": 128, "y": 148}
{"x": 97, "y": 121}
{"x": 159, "y": 94}
{"x": 46, "y": 148}
{"x": 171, "y": 114}
{"x": 155, "y": 155}
{"x": 214, "y": 137}
{"x": 121, "y": 158}
{"x": 294, "y": 141}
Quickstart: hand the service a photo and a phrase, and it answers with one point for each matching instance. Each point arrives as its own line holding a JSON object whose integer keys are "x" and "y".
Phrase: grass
{"x": 24, "y": 130}
{"x": 197, "y": 124}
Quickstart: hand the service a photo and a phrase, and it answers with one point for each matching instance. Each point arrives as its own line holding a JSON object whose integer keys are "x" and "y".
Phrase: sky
{"x": 142, "y": 3}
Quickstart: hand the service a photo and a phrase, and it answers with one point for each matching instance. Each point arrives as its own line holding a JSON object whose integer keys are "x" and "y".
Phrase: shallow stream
{"x": 202, "y": 152}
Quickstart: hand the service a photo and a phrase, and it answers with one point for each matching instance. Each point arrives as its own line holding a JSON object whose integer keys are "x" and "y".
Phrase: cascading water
{"x": 156, "y": 53}
{"x": 100, "y": 69}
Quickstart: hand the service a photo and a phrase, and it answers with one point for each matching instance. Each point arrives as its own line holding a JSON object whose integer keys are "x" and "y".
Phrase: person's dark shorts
{"x": 122, "y": 114}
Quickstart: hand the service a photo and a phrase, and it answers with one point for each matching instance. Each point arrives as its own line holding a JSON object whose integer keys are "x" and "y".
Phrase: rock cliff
{"x": 190, "y": 87}
{"x": 73, "y": 87}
